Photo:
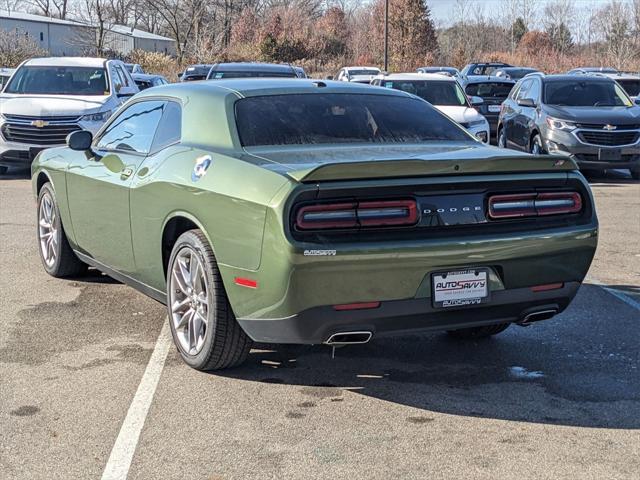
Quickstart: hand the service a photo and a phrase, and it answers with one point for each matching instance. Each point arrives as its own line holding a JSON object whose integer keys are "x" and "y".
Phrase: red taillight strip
{"x": 534, "y": 204}
{"x": 547, "y": 287}
{"x": 353, "y": 215}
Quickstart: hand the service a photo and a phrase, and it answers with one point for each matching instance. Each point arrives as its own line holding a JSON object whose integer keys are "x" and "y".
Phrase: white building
{"x": 70, "y": 38}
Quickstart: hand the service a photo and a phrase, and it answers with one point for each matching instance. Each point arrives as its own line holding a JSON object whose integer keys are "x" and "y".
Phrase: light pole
{"x": 386, "y": 35}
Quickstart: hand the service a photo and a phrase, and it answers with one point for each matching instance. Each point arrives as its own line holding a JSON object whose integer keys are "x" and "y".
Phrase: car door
{"x": 516, "y": 133}
{"x": 529, "y": 113}
{"x": 98, "y": 184}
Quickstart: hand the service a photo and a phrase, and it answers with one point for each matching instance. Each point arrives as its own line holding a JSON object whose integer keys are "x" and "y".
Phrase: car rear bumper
{"x": 316, "y": 325}
{"x": 17, "y": 154}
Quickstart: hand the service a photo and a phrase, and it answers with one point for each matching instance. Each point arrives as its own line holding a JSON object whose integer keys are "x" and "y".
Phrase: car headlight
{"x": 563, "y": 125}
{"x": 97, "y": 117}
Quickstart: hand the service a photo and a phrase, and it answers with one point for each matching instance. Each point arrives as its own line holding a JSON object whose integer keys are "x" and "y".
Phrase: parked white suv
{"x": 444, "y": 93}
{"x": 357, "y": 74}
{"x": 48, "y": 98}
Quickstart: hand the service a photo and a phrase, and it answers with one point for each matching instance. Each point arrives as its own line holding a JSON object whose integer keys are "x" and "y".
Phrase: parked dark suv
{"x": 589, "y": 118}
{"x": 493, "y": 91}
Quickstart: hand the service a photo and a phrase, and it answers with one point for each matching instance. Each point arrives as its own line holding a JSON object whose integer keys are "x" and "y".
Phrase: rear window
{"x": 433, "y": 91}
{"x": 489, "y": 89}
{"x": 585, "y": 94}
{"x": 302, "y": 119}
{"x": 254, "y": 74}
{"x": 632, "y": 87}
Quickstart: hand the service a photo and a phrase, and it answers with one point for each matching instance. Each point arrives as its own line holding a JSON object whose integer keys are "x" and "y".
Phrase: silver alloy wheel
{"x": 48, "y": 234}
{"x": 189, "y": 301}
{"x": 535, "y": 148}
{"x": 501, "y": 140}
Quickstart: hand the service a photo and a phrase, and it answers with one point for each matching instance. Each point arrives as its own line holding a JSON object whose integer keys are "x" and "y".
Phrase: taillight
{"x": 382, "y": 213}
{"x": 534, "y": 204}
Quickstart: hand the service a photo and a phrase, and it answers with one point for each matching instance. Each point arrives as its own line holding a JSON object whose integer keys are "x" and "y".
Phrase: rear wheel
{"x": 203, "y": 325}
{"x": 3, "y": 169}
{"x": 56, "y": 254}
{"x": 478, "y": 332}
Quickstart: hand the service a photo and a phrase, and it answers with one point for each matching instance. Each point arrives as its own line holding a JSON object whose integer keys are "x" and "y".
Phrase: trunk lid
{"x": 327, "y": 163}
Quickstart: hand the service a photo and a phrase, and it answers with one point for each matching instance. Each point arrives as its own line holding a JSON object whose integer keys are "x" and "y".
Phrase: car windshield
{"x": 59, "y": 81}
{"x": 433, "y": 91}
{"x": 632, "y": 87}
{"x": 485, "y": 69}
{"x": 254, "y": 74}
{"x": 353, "y": 73}
{"x": 489, "y": 89}
{"x": 129, "y": 66}
{"x": 304, "y": 119}
{"x": 585, "y": 94}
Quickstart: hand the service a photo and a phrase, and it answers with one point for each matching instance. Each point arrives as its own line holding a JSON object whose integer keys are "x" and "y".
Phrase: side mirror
{"x": 476, "y": 101}
{"x": 527, "y": 102}
{"x": 80, "y": 140}
{"x": 637, "y": 101}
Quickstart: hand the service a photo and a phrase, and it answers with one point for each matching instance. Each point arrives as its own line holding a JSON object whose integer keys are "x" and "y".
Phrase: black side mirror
{"x": 637, "y": 101}
{"x": 527, "y": 102}
{"x": 329, "y": 77}
{"x": 80, "y": 140}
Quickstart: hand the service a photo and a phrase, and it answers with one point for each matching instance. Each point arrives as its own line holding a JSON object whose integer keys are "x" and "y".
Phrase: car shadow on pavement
{"x": 579, "y": 369}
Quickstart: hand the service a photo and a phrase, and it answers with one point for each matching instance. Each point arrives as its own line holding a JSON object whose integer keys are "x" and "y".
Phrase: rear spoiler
{"x": 429, "y": 168}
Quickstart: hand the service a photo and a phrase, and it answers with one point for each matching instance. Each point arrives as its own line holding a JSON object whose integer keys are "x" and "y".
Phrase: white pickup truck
{"x": 48, "y": 98}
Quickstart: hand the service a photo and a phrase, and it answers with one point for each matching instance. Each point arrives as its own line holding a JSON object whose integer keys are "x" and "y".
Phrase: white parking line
{"x": 119, "y": 462}
{"x": 622, "y": 296}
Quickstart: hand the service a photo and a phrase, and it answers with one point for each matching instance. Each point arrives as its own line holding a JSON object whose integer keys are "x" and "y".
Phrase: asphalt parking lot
{"x": 560, "y": 399}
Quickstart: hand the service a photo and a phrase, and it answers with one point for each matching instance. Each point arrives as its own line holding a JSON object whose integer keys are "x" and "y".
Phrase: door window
{"x": 524, "y": 90}
{"x": 133, "y": 129}
{"x": 534, "y": 91}
{"x": 170, "y": 127}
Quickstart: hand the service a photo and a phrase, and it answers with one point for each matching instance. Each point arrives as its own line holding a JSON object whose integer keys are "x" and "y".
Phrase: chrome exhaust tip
{"x": 538, "y": 316}
{"x": 349, "y": 338}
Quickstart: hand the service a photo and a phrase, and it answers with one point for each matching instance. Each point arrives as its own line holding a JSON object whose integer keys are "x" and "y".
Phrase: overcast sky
{"x": 442, "y": 10}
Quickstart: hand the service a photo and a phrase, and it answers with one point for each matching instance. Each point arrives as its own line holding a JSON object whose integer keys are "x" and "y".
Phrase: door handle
{"x": 126, "y": 173}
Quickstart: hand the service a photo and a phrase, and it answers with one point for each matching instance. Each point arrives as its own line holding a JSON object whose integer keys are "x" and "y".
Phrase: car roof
{"x": 252, "y": 67}
{"x": 568, "y": 77}
{"x": 417, "y": 76}
{"x": 518, "y": 68}
{"x": 362, "y": 68}
{"x": 145, "y": 76}
{"x": 251, "y": 87}
{"x": 67, "y": 62}
{"x": 486, "y": 79}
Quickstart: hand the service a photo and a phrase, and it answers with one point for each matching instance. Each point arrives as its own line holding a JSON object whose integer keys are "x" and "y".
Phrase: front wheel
{"x": 478, "y": 332}
{"x": 202, "y": 322}
{"x": 536, "y": 146}
{"x": 502, "y": 139}
{"x": 58, "y": 258}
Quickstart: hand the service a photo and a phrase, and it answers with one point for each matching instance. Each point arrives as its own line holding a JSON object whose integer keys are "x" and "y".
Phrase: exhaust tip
{"x": 349, "y": 338}
{"x": 538, "y": 316}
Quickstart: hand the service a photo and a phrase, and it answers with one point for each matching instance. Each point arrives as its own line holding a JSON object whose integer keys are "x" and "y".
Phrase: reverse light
{"x": 352, "y": 215}
{"x": 534, "y": 204}
{"x": 562, "y": 125}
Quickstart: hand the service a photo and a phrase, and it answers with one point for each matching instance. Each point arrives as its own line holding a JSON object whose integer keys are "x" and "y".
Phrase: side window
{"x": 133, "y": 129}
{"x": 524, "y": 89}
{"x": 116, "y": 79}
{"x": 170, "y": 127}
{"x": 534, "y": 91}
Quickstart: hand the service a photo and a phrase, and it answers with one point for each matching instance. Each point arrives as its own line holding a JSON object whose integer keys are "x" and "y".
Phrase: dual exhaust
{"x": 538, "y": 316}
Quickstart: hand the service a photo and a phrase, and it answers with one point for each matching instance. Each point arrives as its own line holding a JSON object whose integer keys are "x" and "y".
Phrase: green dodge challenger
{"x": 296, "y": 211}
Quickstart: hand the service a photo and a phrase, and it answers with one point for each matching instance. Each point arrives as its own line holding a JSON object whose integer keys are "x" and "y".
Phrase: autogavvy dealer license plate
{"x": 494, "y": 108}
{"x": 460, "y": 288}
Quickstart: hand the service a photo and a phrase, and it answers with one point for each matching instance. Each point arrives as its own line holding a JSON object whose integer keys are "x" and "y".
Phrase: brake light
{"x": 534, "y": 204}
{"x": 382, "y": 213}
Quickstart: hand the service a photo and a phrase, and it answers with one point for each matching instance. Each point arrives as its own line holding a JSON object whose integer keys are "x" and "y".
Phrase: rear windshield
{"x": 433, "y": 91}
{"x": 254, "y": 74}
{"x": 59, "y": 81}
{"x": 353, "y": 73}
{"x": 303, "y": 119}
{"x": 573, "y": 93}
{"x": 518, "y": 73}
{"x": 632, "y": 87}
{"x": 489, "y": 89}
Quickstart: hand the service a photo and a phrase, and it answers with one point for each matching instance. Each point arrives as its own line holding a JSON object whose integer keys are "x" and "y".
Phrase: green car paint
{"x": 118, "y": 210}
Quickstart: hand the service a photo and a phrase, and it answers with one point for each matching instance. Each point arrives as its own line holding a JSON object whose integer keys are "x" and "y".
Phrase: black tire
{"x": 474, "y": 333}
{"x": 66, "y": 263}
{"x": 225, "y": 344}
{"x": 536, "y": 143}
{"x": 501, "y": 139}
{"x": 3, "y": 169}
{"x": 635, "y": 173}
{"x": 591, "y": 173}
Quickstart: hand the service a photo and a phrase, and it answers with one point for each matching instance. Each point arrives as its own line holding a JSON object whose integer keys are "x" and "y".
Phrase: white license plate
{"x": 494, "y": 108}
{"x": 460, "y": 288}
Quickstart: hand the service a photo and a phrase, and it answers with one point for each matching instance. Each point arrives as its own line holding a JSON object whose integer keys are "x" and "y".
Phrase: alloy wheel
{"x": 189, "y": 301}
{"x": 48, "y": 234}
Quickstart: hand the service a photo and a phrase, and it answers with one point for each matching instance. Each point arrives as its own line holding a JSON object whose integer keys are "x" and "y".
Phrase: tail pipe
{"x": 349, "y": 338}
{"x": 538, "y": 316}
